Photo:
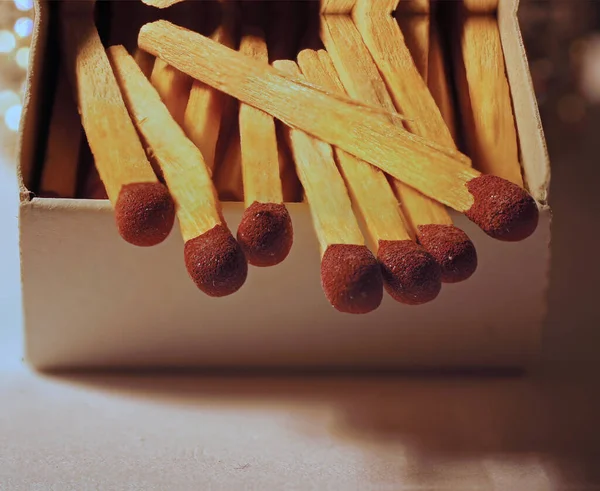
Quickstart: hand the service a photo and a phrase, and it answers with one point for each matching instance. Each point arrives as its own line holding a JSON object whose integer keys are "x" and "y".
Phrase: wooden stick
{"x": 59, "y": 175}
{"x": 438, "y": 82}
{"x": 350, "y": 275}
{"x": 265, "y": 231}
{"x": 213, "y": 258}
{"x": 228, "y": 170}
{"x": 484, "y": 95}
{"x": 337, "y": 6}
{"x": 411, "y": 274}
{"x": 415, "y": 29}
{"x": 480, "y": 6}
{"x": 206, "y": 106}
{"x": 500, "y": 208}
{"x": 144, "y": 210}
{"x": 429, "y": 219}
{"x": 161, "y": 4}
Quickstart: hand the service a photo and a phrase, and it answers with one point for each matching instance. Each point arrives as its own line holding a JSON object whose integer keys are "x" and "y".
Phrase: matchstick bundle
{"x": 351, "y": 111}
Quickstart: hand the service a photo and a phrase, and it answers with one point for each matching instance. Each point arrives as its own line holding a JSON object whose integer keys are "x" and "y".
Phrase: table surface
{"x": 384, "y": 432}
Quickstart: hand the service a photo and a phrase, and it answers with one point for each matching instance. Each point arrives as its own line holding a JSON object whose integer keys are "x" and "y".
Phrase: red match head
{"x": 351, "y": 278}
{"x": 502, "y": 209}
{"x": 265, "y": 233}
{"x": 412, "y": 275}
{"x": 451, "y": 248}
{"x": 215, "y": 262}
{"x": 144, "y": 213}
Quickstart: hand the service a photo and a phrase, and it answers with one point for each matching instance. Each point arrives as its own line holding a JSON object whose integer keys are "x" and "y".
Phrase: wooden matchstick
{"x": 213, "y": 258}
{"x": 411, "y": 274}
{"x": 228, "y": 170}
{"x": 337, "y": 6}
{"x": 59, "y": 175}
{"x": 503, "y": 210}
{"x": 484, "y": 95}
{"x": 429, "y": 219}
{"x": 265, "y": 232}
{"x": 480, "y": 6}
{"x": 404, "y": 7}
{"x": 350, "y": 275}
{"x": 144, "y": 210}
{"x": 206, "y": 106}
{"x": 415, "y": 29}
{"x": 438, "y": 82}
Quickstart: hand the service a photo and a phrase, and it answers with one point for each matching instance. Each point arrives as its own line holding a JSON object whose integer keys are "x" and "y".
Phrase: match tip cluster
{"x": 412, "y": 275}
{"x": 145, "y": 213}
{"x": 351, "y": 278}
{"x": 452, "y": 249}
{"x": 502, "y": 209}
{"x": 266, "y": 234}
{"x": 216, "y": 262}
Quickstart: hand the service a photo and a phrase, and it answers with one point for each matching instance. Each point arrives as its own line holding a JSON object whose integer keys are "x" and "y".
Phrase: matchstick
{"x": 503, "y": 210}
{"x": 144, "y": 210}
{"x": 484, "y": 95}
{"x": 228, "y": 170}
{"x": 480, "y": 6}
{"x": 405, "y": 7}
{"x": 265, "y": 232}
{"x": 59, "y": 175}
{"x": 450, "y": 246}
{"x": 415, "y": 29}
{"x": 411, "y": 274}
{"x": 203, "y": 116}
{"x": 213, "y": 258}
{"x": 438, "y": 82}
{"x": 337, "y": 6}
{"x": 350, "y": 275}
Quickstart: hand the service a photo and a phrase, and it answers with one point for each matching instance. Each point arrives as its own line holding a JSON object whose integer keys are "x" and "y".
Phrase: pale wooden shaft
{"x": 370, "y": 190}
{"x": 415, "y": 29}
{"x": 145, "y": 61}
{"x": 437, "y": 172}
{"x": 181, "y": 162}
{"x": 368, "y": 7}
{"x": 481, "y": 6}
{"x": 260, "y": 160}
{"x": 59, "y": 175}
{"x": 362, "y": 80}
{"x": 484, "y": 93}
{"x": 337, "y": 6}
{"x": 203, "y": 115}
{"x": 439, "y": 83}
{"x": 118, "y": 153}
{"x": 228, "y": 174}
{"x": 173, "y": 87}
{"x": 326, "y": 193}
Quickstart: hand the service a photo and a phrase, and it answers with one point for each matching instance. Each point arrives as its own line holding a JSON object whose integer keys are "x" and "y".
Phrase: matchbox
{"x": 93, "y": 301}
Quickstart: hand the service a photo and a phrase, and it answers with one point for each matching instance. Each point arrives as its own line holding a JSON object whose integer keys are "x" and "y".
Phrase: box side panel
{"x": 93, "y": 301}
{"x": 534, "y": 154}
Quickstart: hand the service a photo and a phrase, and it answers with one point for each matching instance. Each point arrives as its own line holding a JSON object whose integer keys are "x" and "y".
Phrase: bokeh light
{"x": 8, "y": 98}
{"x": 23, "y": 27}
{"x": 7, "y": 41}
{"x": 12, "y": 117}
{"x": 24, "y": 5}
{"x": 22, "y": 57}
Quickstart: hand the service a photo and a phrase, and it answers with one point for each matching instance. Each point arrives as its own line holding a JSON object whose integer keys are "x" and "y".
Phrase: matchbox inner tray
{"x": 93, "y": 301}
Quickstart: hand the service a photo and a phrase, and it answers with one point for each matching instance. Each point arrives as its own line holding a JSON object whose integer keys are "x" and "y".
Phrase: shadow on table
{"x": 437, "y": 419}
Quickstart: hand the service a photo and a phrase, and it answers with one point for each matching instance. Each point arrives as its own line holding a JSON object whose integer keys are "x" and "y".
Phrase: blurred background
{"x": 562, "y": 39}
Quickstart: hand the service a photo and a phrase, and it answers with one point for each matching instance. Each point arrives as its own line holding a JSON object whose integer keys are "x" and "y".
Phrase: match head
{"x": 502, "y": 209}
{"x": 265, "y": 233}
{"x": 144, "y": 213}
{"x": 215, "y": 262}
{"x": 351, "y": 278}
{"x": 412, "y": 275}
{"x": 451, "y": 248}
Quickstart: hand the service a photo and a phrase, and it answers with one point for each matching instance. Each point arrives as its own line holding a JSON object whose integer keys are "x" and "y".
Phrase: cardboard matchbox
{"x": 93, "y": 301}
